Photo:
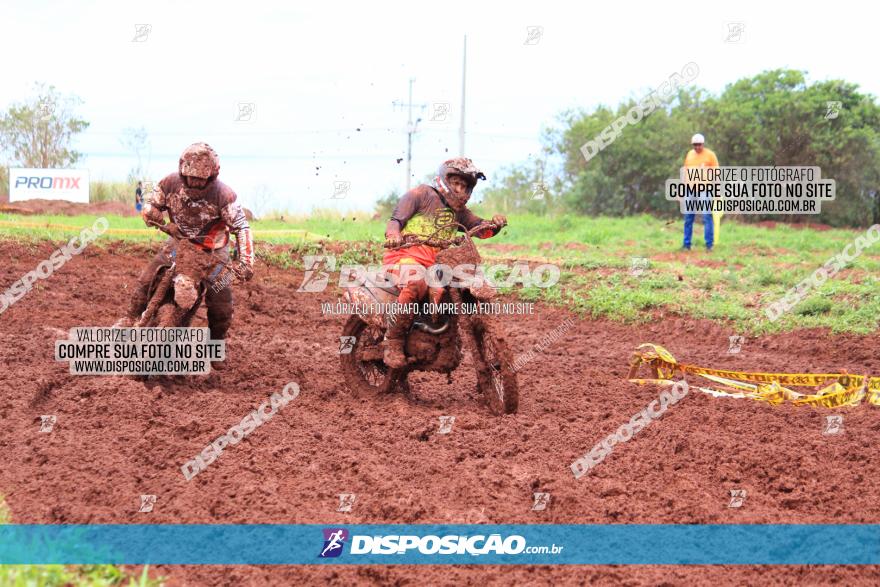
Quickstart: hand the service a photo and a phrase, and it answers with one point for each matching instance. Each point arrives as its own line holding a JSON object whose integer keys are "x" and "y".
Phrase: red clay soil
{"x": 117, "y": 438}
{"x": 65, "y": 208}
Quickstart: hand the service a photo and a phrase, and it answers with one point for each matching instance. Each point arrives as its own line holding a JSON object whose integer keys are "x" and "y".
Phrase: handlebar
{"x": 171, "y": 230}
{"x": 413, "y": 240}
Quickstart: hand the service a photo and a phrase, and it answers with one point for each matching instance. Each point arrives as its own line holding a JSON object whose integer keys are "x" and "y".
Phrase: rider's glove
{"x": 152, "y": 215}
{"x": 499, "y": 220}
{"x": 393, "y": 240}
{"x": 244, "y": 270}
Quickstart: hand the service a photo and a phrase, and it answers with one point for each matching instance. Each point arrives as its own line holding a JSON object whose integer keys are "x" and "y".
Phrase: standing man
{"x": 699, "y": 156}
{"x": 139, "y": 196}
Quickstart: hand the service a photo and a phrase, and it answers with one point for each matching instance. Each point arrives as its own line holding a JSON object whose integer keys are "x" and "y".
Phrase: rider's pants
{"x": 409, "y": 276}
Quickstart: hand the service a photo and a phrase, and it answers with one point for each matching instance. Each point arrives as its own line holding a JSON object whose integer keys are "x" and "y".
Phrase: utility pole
{"x": 410, "y": 130}
{"x": 463, "y": 85}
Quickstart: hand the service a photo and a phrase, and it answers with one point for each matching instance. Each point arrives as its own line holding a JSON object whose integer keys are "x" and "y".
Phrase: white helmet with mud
{"x": 461, "y": 167}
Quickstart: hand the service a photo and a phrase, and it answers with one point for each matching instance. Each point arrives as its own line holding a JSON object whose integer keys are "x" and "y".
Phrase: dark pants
{"x": 708, "y": 225}
{"x": 218, "y": 303}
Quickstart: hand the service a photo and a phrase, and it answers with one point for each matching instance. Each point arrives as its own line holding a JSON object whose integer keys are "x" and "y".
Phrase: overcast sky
{"x": 318, "y": 72}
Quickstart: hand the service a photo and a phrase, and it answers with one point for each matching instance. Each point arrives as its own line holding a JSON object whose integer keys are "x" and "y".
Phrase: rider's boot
{"x": 220, "y": 312}
{"x": 136, "y": 307}
{"x": 411, "y": 291}
{"x": 395, "y": 337}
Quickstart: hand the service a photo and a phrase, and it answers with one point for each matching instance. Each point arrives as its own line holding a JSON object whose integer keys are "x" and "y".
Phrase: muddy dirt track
{"x": 116, "y": 439}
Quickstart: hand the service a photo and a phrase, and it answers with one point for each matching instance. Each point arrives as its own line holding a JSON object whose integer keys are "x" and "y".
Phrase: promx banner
{"x": 516, "y": 544}
{"x": 49, "y": 184}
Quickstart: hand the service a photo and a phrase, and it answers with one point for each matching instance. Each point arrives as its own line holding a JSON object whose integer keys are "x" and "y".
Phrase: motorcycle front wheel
{"x": 363, "y": 367}
{"x": 496, "y": 378}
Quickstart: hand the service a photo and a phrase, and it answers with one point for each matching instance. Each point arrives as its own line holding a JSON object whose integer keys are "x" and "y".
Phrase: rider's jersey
{"x": 419, "y": 212}
{"x": 206, "y": 219}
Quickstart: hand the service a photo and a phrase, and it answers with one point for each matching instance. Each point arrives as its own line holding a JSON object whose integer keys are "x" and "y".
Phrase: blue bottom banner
{"x": 522, "y": 544}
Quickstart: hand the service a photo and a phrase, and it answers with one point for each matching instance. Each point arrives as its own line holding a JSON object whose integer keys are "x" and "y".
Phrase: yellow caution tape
{"x": 18, "y": 224}
{"x": 830, "y": 390}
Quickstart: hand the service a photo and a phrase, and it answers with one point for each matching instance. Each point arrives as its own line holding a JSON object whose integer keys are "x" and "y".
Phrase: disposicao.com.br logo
{"x": 334, "y": 540}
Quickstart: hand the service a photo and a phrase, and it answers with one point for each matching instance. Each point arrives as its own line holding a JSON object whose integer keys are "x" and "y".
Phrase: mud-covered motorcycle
{"x": 178, "y": 287}
{"x": 434, "y": 342}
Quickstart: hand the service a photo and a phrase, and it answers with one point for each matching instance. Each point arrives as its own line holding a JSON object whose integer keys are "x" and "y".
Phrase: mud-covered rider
{"x": 205, "y": 211}
{"x": 419, "y": 212}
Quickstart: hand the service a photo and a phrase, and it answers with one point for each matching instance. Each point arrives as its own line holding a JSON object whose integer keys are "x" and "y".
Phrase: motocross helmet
{"x": 464, "y": 168}
{"x": 199, "y": 160}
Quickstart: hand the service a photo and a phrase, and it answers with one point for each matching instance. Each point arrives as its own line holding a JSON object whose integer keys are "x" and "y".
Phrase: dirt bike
{"x": 178, "y": 288}
{"x": 433, "y": 343}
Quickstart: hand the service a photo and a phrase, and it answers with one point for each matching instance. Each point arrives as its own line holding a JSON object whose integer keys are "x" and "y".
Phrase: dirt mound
{"x": 65, "y": 208}
{"x": 116, "y": 439}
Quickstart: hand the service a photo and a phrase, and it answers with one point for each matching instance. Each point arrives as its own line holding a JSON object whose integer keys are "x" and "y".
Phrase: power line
{"x": 296, "y": 132}
{"x": 410, "y": 130}
{"x": 463, "y": 86}
{"x": 350, "y": 157}
{"x": 253, "y": 132}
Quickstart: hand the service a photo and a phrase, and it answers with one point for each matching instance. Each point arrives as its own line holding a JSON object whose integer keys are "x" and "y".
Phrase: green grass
{"x": 67, "y": 576}
{"x": 751, "y": 266}
{"x": 75, "y": 576}
{"x": 5, "y": 516}
{"x": 112, "y": 191}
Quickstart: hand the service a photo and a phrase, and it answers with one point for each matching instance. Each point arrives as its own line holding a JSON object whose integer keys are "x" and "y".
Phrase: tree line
{"x": 774, "y": 118}
{"x": 39, "y": 132}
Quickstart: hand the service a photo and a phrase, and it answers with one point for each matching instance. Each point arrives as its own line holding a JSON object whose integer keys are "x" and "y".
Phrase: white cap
{"x": 698, "y": 138}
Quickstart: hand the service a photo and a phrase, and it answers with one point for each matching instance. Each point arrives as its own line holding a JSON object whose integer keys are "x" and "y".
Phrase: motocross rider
{"x": 205, "y": 211}
{"x": 418, "y": 213}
